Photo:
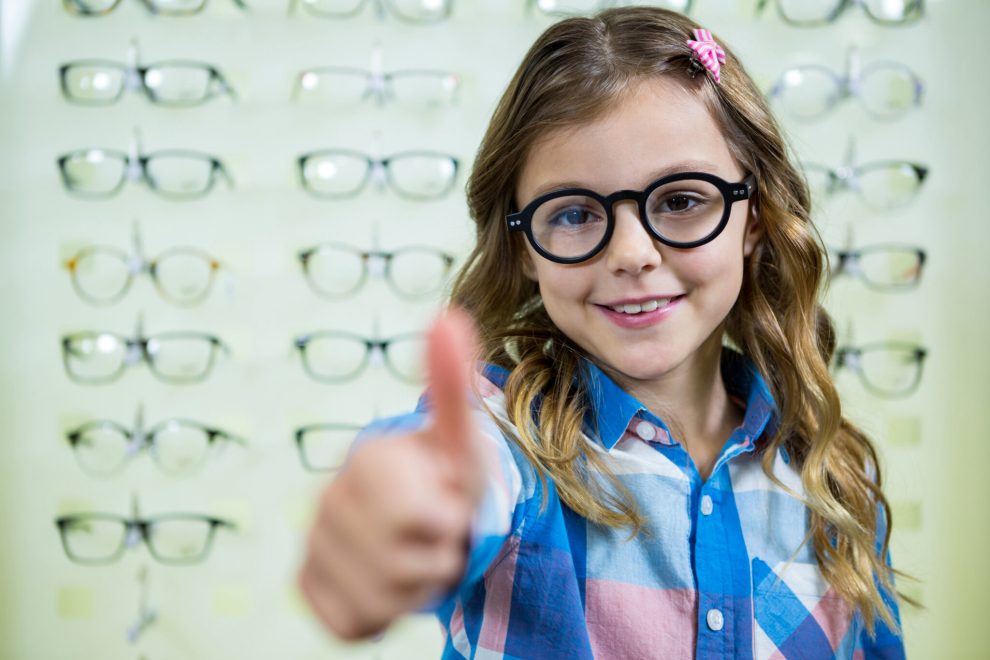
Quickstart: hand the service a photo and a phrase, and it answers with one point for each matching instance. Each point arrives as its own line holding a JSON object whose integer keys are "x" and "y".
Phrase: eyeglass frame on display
{"x": 383, "y": 259}
{"x": 600, "y": 5}
{"x": 138, "y": 527}
{"x": 136, "y": 350}
{"x": 136, "y": 169}
{"x": 847, "y": 176}
{"x": 76, "y": 8}
{"x": 841, "y": 361}
{"x": 139, "y": 439}
{"x": 373, "y": 346}
{"x": 136, "y": 263}
{"x": 913, "y": 13}
{"x": 850, "y": 255}
{"x": 135, "y": 78}
{"x": 379, "y": 170}
{"x": 849, "y": 85}
{"x": 378, "y": 84}
{"x": 380, "y": 11}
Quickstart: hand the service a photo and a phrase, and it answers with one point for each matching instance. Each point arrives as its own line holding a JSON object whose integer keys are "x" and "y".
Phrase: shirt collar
{"x": 612, "y": 408}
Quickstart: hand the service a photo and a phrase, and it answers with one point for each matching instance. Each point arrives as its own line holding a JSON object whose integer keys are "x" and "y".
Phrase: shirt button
{"x": 714, "y": 619}
{"x": 706, "y": 507}
{"x": 646, "y": 431}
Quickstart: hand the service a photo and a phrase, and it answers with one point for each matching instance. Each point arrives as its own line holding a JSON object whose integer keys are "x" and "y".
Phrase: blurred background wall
{"x": 240, "y": 600}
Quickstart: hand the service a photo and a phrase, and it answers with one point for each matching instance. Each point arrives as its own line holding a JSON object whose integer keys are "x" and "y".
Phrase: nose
{"x": 631, "y": 248}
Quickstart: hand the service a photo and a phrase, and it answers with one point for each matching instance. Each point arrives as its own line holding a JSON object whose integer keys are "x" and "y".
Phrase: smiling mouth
{"x": 640, "y": 308}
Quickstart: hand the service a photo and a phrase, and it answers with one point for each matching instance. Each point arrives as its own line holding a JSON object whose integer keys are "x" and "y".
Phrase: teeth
{"x": 648, "y": 306}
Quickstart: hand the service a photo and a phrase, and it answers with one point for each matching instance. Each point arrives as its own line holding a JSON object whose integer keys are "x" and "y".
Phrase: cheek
{"x": 562, "y": 286}
{"x": 716, "y": 270}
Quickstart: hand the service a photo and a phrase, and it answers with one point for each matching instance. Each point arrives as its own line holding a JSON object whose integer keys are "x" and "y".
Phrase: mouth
{"x": 642, "y": 307}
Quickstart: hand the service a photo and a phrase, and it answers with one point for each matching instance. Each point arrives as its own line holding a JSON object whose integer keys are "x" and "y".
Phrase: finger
{"x": 451, "y": 350}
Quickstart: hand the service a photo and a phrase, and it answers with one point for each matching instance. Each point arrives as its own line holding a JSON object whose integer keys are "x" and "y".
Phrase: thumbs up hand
{"x": 392, "y": 529}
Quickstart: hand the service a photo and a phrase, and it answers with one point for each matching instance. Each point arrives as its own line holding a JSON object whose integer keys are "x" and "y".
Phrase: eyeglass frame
{"x": 377, "y": 83}
{"x": 301, "y": 431}
{"x": 919, "y": 353}
{"x": 381, "y": 6}
{"x": 731, "y": 193}
{"x": 849, "y": 84}
{"x": 147, "y": 437}
{"x": 386, "y": 256}
{"x": 136, "y": 263}
{"x": 216, "y": 165}
{"x": 142, "y": 72}
{"x": 372, "y": 165}
{"x": 74, "y": 7}
{"x": 140, "y": 341}
{"x": 600, "y": 5}
{"x": 370, "y": 345}
{"x": 143, "y": 527}
{"x": 855, "y": 254}
{"x": 839, "y": 178}
{"x": 913, "y": 13}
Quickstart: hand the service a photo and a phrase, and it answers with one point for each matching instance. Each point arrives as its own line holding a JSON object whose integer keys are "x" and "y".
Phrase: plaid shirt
{"x": 709, "y": 578}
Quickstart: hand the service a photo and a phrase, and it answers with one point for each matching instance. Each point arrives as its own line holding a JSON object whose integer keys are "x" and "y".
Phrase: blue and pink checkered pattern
{"x": 719, "y": 571}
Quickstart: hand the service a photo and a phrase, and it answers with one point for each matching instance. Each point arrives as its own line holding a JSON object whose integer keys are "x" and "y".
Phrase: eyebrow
{"x": 674, "y": 168}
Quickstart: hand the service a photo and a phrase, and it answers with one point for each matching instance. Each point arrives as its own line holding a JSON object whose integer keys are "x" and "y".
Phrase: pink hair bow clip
{"x": 709, "y": 53}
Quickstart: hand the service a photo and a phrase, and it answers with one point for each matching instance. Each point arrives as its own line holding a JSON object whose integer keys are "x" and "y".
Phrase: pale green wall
{"x": 241, "y": 603}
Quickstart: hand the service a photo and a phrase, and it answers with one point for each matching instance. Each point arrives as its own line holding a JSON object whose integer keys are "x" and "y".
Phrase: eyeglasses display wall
{"x": 228, "y": 222}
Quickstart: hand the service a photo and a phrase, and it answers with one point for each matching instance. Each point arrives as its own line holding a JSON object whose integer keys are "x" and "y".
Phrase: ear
{"x": 754, "y": 230}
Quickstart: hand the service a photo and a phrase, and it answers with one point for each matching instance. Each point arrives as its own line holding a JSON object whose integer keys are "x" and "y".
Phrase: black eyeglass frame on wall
{"x": 731, "y": 193}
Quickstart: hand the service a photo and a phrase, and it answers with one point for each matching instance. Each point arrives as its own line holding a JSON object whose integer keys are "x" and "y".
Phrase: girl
{"x": 654, "y": 463}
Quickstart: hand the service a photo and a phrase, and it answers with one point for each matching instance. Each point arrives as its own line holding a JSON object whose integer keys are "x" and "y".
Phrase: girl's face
{"x": 656, "y": 128}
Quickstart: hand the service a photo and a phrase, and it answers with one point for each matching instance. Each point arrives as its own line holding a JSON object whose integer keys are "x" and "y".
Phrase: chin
{"x": 640, "y": 369}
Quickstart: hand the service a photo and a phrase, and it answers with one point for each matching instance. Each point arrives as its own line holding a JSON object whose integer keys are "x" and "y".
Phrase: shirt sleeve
{"x": 500, "y": 508}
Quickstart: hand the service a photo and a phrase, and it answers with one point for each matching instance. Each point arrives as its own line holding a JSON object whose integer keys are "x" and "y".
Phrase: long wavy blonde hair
{"x": 573, "y": 73}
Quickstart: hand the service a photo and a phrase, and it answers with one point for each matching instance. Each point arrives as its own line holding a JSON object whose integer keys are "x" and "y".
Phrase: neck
{"x": 692, "y": 399}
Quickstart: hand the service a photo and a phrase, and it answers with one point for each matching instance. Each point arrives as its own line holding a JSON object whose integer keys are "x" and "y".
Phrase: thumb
{"x": 450, "y": 353}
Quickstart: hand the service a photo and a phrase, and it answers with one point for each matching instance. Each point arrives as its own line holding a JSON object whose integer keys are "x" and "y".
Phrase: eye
{"x": 574, "y": 216}
{"x": 678, "y": 203}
